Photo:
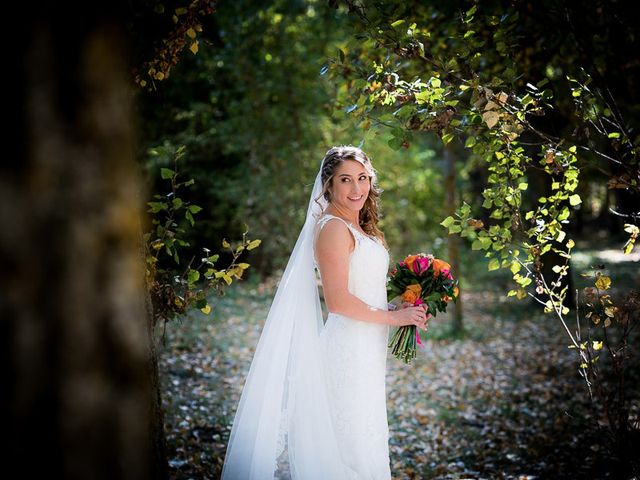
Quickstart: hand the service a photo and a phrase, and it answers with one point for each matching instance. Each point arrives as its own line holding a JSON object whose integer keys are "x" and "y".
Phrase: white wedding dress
{"x": 354, "y": 354}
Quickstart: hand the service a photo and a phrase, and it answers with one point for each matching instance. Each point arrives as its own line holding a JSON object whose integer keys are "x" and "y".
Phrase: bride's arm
{"x": 334, "y": 244}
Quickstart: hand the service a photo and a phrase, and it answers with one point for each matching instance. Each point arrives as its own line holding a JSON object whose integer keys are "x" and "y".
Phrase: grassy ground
{"x": 503, "y": 401}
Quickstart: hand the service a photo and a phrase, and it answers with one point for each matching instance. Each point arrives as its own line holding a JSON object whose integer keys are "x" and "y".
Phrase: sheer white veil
{"x": 283, "y": 410}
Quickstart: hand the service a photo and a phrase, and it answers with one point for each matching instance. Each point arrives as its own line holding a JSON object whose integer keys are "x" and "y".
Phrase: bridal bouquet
{"x": 419, "y": 279}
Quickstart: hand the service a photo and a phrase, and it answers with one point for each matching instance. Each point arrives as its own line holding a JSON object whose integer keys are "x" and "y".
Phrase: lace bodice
{"x": 368, "y": 265}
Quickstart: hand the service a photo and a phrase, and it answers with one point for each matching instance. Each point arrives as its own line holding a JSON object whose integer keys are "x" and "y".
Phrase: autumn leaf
{"x": 603, "y": 282}
{"x": 491, "y": 118}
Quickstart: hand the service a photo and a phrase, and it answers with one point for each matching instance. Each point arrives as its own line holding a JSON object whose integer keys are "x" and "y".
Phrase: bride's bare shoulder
{"x": 334, "y": 236}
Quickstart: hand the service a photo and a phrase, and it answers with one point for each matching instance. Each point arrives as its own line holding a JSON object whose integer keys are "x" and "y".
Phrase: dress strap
{"x": 328, "y": 216}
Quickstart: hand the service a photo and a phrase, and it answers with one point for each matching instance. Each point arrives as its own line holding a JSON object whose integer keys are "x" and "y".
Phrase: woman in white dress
{"x": 314, "y": 402}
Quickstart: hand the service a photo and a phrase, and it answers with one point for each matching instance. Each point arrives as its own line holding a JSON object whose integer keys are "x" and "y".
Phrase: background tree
{"x": 75, "y": 344}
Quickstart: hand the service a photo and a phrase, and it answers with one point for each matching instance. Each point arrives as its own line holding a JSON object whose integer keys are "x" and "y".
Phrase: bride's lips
{"x": 356, "y": 199}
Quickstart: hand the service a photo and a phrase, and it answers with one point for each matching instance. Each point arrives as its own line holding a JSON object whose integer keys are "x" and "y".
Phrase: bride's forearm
{"x": 352, "y": 307}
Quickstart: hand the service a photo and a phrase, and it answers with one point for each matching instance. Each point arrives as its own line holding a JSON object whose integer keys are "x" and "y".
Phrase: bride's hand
{"x": 408, "y": 314}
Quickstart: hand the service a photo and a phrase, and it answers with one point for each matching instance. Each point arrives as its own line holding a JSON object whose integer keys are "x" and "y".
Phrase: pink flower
{"x": 420, "y": 264}
{"x": 419, "y": 301}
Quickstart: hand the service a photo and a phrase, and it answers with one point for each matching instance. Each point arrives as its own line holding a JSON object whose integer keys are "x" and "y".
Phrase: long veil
{"x": 284, "y": 407}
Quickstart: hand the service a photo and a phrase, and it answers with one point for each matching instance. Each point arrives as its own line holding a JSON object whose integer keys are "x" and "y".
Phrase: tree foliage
{"x": 468, "y": 72}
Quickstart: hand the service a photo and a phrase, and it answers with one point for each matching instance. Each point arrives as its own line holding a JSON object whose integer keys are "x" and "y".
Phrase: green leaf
{"x": 157, "y": 206}
{"x": 494, "y": 264}
{"x": 395, "y": 143}
{"x": 447, "y": 222}
{"x": 575, "y": 199}
{"x": 194, "y": 208}
{"x": 194, "y": 276}
{"x": 166, "y": 173}
{"x": 188, "y": 216}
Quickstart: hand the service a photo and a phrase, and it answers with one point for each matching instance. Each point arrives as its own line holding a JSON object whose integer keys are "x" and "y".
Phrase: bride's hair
{"x": 369, "y": 214}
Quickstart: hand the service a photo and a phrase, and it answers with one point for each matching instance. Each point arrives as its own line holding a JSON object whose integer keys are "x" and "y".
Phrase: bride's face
{"x": 350, "y": 185}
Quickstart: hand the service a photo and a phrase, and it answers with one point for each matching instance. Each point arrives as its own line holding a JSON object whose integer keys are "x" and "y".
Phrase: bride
{"x": 314, "y": 402}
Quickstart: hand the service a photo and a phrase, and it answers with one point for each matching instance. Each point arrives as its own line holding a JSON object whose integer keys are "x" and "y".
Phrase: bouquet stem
{"x": 403, "y": 343}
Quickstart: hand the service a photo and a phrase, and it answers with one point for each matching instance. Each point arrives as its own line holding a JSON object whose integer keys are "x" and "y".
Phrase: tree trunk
{"x": 457, "y": 325}
{"x": 75, "y": 346}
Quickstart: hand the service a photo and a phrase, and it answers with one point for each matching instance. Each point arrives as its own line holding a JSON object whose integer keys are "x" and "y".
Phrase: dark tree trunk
{"x": 457, "y": 325}
{"x": 78, "y": 397}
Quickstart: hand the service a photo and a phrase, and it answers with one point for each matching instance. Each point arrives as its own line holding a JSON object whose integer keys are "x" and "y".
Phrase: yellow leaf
{"x": 206, "y": 309}
{"x": 491, "y": 118}
{"x": 570, "y": 243}
{"x": 521, "y": 293}
{"x": 244, "y": 266}
{"x": 253, "y": 244}
{"x": 597, "y": 345}
{"x": 610, "y": 311}
{"x": 225, "y": 244}
{"x": 603, "y": 282}
{"x": 191, "y": 33}
{"x": 194, "y": 47}
{"x": 227, "y": 278}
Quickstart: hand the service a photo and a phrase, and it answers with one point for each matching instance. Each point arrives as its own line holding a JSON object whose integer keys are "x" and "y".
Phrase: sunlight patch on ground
{"x": 617, "y": 256}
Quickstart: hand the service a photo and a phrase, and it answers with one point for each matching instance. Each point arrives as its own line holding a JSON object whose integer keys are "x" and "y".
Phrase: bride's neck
{"x": 349, "y": 216}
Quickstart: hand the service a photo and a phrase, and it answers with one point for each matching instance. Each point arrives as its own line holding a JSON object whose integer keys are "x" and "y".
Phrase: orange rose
{"x": 438, "y": 265}
{"x": 412, "y": 293}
